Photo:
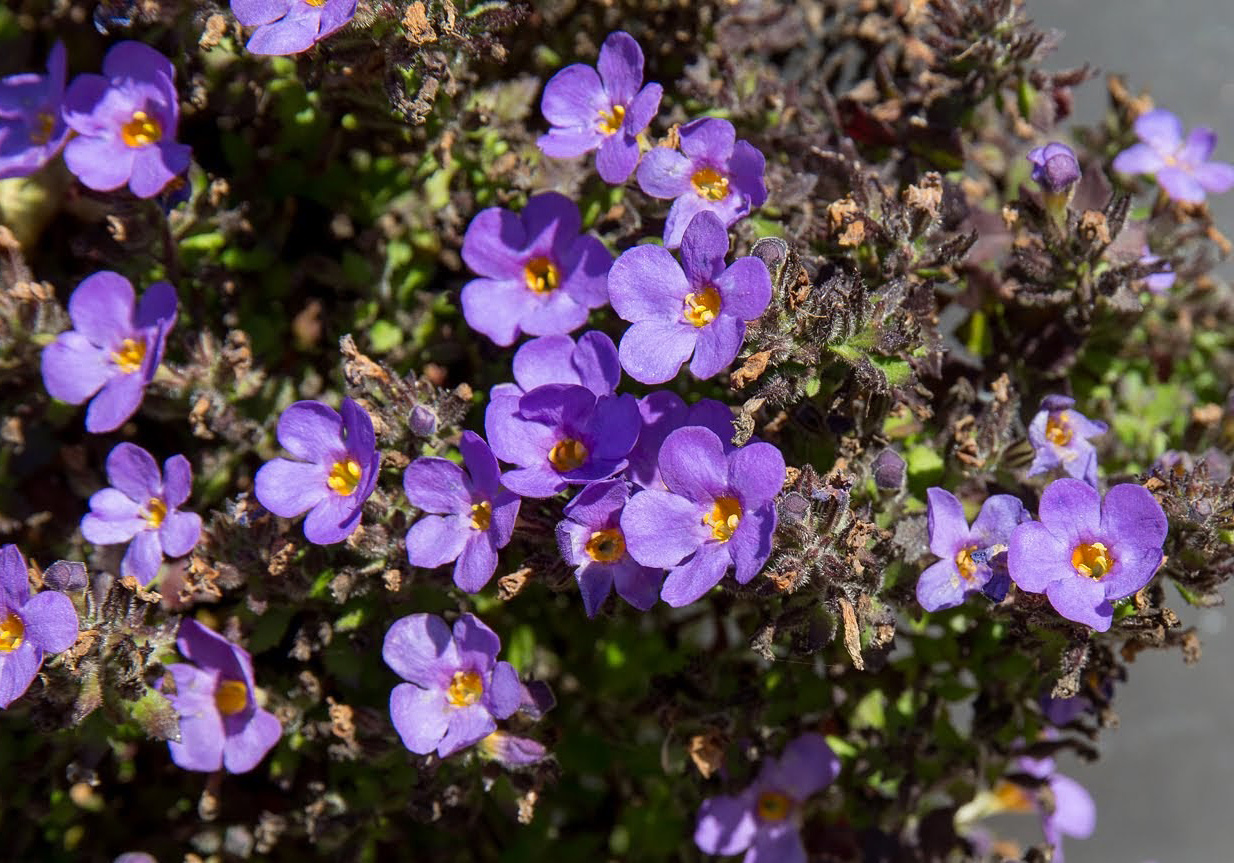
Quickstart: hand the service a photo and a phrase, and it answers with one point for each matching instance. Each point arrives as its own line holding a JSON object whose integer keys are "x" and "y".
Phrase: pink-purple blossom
{"x": 973, "y": 559}
{"x": 602, "y": 109}
{"x": 142, "y": 508}
{"x": 32, "y": 129}
{"x": 291, "y": 26}
{"x": 591, "y": 363}
{"x": 713, "y": 172}
{"x": 113, "y": 350}
{"x": 334, "y": 474}
{"x": 1181, "y": 167}
{"x": 1060, "y": 437}
{"x": 30, "y": 626}
{"x": 695, "y": 311}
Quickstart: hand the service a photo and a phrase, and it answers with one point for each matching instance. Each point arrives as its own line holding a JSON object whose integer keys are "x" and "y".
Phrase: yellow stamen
{"x": 231, "y": 697}
{"x": 702, "y": 308}
{"x": 130, "y": 356}
{"x": 344, "y": 477}
{"x": 567, "y": 454}
{"x": 723, "y": 519}
{"x": 1058, "y": 430}
{"x": 610, "y": 123}
{"x": 1013, "y": 798}
{"x": 12, "y": 633}
{"x": 965, "y": 564}
{"x": 710, "y": 184}
{"x": 141, "y": 131}
{"x": 156, "y": 511}
{"x": 541, "y": 275}
{"x": 1092, "y": 560}
{"x": 606, "y": 546}
{"x": 481, "y": 515}
{"x": 316, "y": 2}
{"x": 773, "y": 806}
{"x": 465, "y": 689}
{"x": 45, "y": 124}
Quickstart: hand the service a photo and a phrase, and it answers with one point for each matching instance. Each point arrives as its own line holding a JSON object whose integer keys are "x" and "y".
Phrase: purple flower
{"x": 560, "y": 435}
{"x": 719, "y": 511}
{"x": 125, "y": 120}
{"x": 766, "y": 817}
{"x": 336, "y": 472}
{"x": 141, "y": 506}
{"x": 29, "y": 626}
{"x": 539, "y": 275}
{"x": 1162, "y": 280}
{"x": 1060, "y": 438}
{"x": 475, "y": 514}
{"x": 1181, "y": 167}
{"x": 456, "y": 689}
{"x": 1083, "y": 553}
{"x": 112, "y": 350}
{"x": 604, "y": 112}
{"x": 511, "y": 751}
{"x": 591, "y": 541}
{"x": 1055, "y": 167}
{"x": 221, "y": 725}
{"x": 592, "y": 363}
{"x": 291, "y": 26}
{"x": 699, "y": 308}
{"x": 1070, "y": 811}
{"x": 714, "y": 172}
{"x": 32, "y": 130}
{"x": 663, "y": 412}
{"x": 974, "y": 560}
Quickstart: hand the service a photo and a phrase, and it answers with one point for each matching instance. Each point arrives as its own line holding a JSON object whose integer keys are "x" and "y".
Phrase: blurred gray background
{"x": 1165, "y": 783}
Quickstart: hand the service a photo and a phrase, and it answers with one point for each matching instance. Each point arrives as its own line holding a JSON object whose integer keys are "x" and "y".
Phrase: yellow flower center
{"x": 1092, "y": 559}
{"x": 542, "y": 275}
{"x": 773, "y": 806}
{"x": 344, "y": 477}
{"x": 12, "y": 633}
{"x": 481, "y": 515}
{"x": 45, "y": 124}
{"x": 723, "y": 519}
{"x": 231, "y": 697}
{"x": 156, "y": 511}
{"x": 130, "y": 356}
{"x": 465, "y": 689}
{"x": 606, "y": 546}
{"x": 316, "y": 2}
{"x": 965, "y": 564}
{"x": 1013, "y": 798}
{"x": 702, "y": 308}
{"x": 710, "y": 184}
{"x": 141, "y": 131}
{"x": 1058, "y": 430}
{"x": 610, "y": 123}
{"x": 567, "y": 454}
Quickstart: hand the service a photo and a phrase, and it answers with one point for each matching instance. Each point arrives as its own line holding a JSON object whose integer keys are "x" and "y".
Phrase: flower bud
{"x": 1055, "y": 167}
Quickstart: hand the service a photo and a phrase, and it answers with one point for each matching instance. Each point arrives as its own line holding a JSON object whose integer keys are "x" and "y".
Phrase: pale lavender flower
{"x": 1162, "y": 280}
{"x": 291, "y": 26}
{"x": 1182, "y": 168}
{"x": 32, "y": 130}
{"x": 30, "y": 626}
{"x": 1060, "y": 438}
{"x": 974, "y": 560}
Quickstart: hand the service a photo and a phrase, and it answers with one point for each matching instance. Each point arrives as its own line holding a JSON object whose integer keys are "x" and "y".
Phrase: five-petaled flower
{"x": 112, "y": 350}
{"x": 335, "y": 474}
{"x": 1066, "y": 808}
{"x": 1060, "y": 438}
{"x": 140, "y": 508}
{"x": 473, "y": 516}
{"x": 32, "y": 130}
{"x": 125, "y": 120}
{"x": 538, "y": 274}
{"x": 221, "y": 724}
{"x": 456, "y": 689}
{"x": 974, "y": 560}
{"x": 764, "y": 820}
{"x": 291, "y": 26}
{"x": 29, "y": 626}
{"x": 1085, "y": 553}
{"x": 714, "y": 172}
{"x": 591, "y": 363}
{"x": 696, "y": 309}
{"x": 718, "y": 512}
{"x": 604, "y": 112}
{"x": 1181, "y": 167}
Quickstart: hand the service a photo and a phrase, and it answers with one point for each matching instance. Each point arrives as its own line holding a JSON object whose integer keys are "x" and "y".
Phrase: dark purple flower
{"x": 291, "y": 26}
{"x": 718, "y": 512}
{"x": 714, "y": 172}
{"x": 560, "y": 435}
{"x": 766, "y": 817}
{"x": 662, "y": 413}
{"x": 335, "y": 475}
{"x": 1068, "y": 810}
{"x": 698, "y": 308}
{"x": 475, "y": 515}
{"x": 974, "y": 560}
{"x": 1181, "y": 167}
{"x": 32, "y": 130}
{"x": 29, "y": 626}
{"x": 592, "y": 363}
{"x": 1083, "y": 553}
{"x": 1060, "y": 438}
{"x": 125, "y": 120}
{"x": 141, "y": 506}
{"x": 591, "y": 541}
{"x": 456, "y": 689}
{"x": 888, "y": 470}
{"x": 511, "y": 751}
{"x": 1055, "y": 167}
{"x": 112, "y": 350}
{"x": 539, "y": 275}
{"x": 604, "y": 112}
{"x": 1162, "y": 280}
{"x": 221, "y": 724}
